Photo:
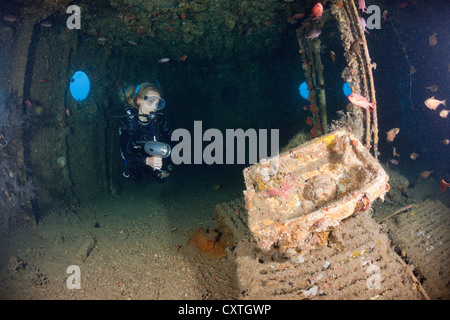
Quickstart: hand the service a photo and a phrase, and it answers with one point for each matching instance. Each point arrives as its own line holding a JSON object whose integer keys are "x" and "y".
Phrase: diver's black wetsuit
{"x": 133, "y": 133}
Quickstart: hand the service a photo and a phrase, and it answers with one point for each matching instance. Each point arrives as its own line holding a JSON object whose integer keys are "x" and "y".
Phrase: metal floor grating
{"x": 422, "y": 236}
{"x": 357, "y": 263}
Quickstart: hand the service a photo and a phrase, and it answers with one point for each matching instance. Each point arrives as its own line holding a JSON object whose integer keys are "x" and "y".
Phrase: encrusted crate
{"x": 296, "y": 198}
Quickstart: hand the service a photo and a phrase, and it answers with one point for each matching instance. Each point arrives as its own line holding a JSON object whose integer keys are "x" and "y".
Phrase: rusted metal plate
{"x": 295, "y": 198}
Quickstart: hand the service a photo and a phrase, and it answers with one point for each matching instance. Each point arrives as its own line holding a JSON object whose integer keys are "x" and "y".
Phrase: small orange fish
{"x": 444, "y": 185}
{"x": 362, "y": 5}
{"x": 444, "y": 113}
{"x": 298, "y": 16}
{"x": 391, "y": 134}
{"x": 446, "y": 142}
{"x": 432, "y": 88}
{"x": 314, "y": 34}
{"x": 426, "y": 174}
{"x": 360, "y": 101}
{"x": 68, "y": 113}
{"x": 11, "y": 18}
{"x": 28, "y": 103}
{"x": 182, "y": 58}
{"x": 433, "y": 103}
{"x": 432, "y": 41}
{"x": 317, "y": 11}
{"x": 394, "y": 161}
{"x": 333, "y": 57}
{"x": 102, "y": 39}
{"x": 46, "y": 24}
{"x": 355, "y": 47}
{"x": 395, "y": 154}
{"x": 413, "y": 156}
{"x": 384, "y": 15}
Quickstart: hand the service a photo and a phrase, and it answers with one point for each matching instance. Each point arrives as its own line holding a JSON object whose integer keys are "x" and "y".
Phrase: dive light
{"x": 156, "y": 148}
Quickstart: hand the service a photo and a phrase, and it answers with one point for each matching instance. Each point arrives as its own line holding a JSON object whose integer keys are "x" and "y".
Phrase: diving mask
{"x": 160, "y": 102}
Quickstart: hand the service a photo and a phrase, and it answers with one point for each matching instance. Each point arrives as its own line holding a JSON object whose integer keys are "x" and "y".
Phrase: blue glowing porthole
{"x": 303, "y": 89}
{"x": 346, "y": 88}
{"x": 79, "y": 85}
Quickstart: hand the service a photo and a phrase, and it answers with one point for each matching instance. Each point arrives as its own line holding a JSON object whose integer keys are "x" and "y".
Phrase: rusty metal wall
{"x": 63, "y": 143}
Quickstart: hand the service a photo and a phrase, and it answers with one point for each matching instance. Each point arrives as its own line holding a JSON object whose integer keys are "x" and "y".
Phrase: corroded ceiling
{"x": 214, "y": 29}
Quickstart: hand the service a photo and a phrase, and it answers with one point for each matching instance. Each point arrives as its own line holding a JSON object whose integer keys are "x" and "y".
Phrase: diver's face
{"x": 150, "y": 102}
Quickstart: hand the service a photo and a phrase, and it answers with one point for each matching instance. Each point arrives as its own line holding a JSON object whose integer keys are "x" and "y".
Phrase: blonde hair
{"x": 130, "y": 93}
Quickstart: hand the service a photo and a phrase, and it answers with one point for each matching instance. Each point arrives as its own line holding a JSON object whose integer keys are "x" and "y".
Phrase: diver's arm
{"x": 126, "y": 148}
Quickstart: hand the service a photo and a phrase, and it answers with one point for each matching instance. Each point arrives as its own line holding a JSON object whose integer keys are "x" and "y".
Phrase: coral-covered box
{"x": 296, "y": 198}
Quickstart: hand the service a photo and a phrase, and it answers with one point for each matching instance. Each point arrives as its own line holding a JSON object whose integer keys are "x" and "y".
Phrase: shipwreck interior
{"x": 242, "y": 70}
{"x": 231, "y": 65}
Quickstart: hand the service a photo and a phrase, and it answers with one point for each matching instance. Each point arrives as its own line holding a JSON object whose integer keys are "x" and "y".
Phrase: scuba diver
{"x": 144, "y": 133}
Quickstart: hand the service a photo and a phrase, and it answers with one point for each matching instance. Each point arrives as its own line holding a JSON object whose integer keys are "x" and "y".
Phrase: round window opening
{"x": 79, "y": 85}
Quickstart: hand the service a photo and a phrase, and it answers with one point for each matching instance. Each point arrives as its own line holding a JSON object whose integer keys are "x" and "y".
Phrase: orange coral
{"x": 316, "y": 130}
{"x": 363, "y": 203}
{"x": 208, "y": 244}
{"x": 314, "y": 108}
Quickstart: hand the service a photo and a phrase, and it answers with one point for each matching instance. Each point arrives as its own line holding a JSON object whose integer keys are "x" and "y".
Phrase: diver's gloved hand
{"x": 154, "y": 161}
